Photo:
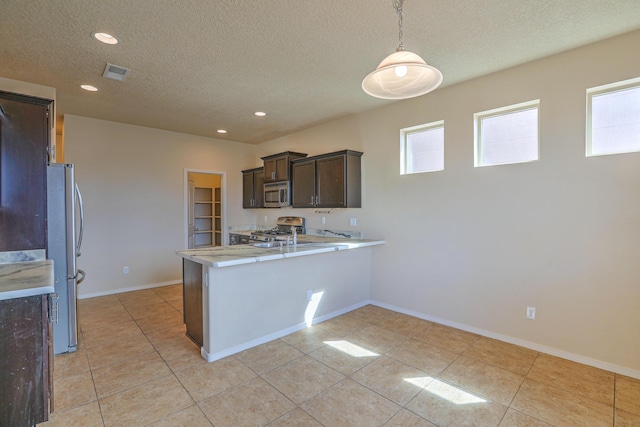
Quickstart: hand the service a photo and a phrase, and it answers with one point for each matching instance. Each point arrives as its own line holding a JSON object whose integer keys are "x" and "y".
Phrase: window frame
{"x": 404, "y": 152}
{"x": 600, "y": 90}
{"x": 501, "y": 111}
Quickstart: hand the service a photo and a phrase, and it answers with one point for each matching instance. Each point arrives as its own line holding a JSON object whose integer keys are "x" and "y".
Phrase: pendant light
{"x": 402, "y": 74}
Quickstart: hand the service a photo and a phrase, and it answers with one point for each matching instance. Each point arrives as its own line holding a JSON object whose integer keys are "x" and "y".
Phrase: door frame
{"x": 185, "y": 203}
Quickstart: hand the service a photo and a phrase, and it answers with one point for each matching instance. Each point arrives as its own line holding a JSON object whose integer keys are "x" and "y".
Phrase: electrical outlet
{"x": 531, "y": 313}
{"x": 265, "y": 219}
{"x": 309, "y": 295}
{"x": 353, "y": 221}
{"x": 125, "y": 270}
{"x": 324, "y": 220}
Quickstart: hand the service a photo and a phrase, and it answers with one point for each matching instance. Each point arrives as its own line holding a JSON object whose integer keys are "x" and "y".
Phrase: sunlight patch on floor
{"x": 445, "y": 391}
{"x": 351, "y": 349}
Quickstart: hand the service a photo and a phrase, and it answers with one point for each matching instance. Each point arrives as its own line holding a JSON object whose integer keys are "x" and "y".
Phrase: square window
{"x": 422, "y": 148}
{"x": 613, "y": 118}
{"x": 507, "y": 135}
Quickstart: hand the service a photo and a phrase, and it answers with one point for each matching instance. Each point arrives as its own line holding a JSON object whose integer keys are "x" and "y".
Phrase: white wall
{"x": 474, "y": 246}
{"x": 467, "y": 246}
{"x": 132, "y": 181}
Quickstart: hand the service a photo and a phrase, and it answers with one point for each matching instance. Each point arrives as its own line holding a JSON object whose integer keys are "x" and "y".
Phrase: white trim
{"x": 516, "y": 341}
{"x": 132, "y": 288}
{"x": 279, "y": 334}
{"x": 223, "y": 199}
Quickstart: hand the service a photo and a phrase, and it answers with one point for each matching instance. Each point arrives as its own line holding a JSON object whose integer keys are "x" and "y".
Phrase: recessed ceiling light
{"x": 222, "y": 131}
{"x": 105, "y": 38}
{"x": 89, "y": 88}
{"x": 260, "y": 113}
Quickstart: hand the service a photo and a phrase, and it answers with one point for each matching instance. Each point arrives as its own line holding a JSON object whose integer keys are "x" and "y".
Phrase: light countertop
{"x": 25, "y": 279}
{"x": 225, "y": 256}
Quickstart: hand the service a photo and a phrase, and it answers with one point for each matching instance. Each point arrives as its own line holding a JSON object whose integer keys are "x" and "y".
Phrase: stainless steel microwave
{"x": 277, "y": 194}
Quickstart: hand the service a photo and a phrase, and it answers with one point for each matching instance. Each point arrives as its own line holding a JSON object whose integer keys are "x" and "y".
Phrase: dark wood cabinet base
{"x": 24, "y": 361}
{"x": 192, "y": 299}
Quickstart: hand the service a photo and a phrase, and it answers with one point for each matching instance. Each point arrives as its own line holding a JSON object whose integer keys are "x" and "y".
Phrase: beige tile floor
{"x": 369, "y": 367}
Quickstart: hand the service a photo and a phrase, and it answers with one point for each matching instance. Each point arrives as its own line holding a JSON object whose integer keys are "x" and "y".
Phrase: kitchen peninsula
{"x": 237, "y": 297}
{"x": 26, "y": 280}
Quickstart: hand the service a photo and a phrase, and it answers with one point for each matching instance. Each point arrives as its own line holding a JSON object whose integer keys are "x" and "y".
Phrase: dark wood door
{"x": 24, "y": 141}
{"x": 270, "y": 171}
{"x": 304, "y": 184}
{"x": 258, "y": 189}
{"x": 330, "y": 185}
{"x": 277, "y": 169}
{"x": 247, "y": 190}
{"x": 192, "y": 299}
{"x": 24, "y": 363}
{"x": 282, "y": 169}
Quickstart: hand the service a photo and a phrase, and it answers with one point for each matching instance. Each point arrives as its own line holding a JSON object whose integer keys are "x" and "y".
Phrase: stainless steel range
{"x": 284, "y": 229}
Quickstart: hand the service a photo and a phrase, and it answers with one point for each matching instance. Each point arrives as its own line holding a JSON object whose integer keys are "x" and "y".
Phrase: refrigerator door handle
{"x": 82, "y": 275}
{"x": 81, "y": 232}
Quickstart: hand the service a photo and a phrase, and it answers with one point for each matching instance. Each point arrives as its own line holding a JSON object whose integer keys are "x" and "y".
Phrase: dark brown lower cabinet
{"x": 192, "y": 299}
{"x": 25, "y": 371}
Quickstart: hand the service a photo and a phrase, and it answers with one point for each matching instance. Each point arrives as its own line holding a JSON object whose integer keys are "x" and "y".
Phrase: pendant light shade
{"x": 402, "y": 74}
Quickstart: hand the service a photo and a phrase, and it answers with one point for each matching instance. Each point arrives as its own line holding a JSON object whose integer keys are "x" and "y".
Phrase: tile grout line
{"x": 156, "y": 351}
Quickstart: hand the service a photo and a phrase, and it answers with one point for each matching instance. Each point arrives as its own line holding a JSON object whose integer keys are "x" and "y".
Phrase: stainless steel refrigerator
{"x": 65, "y": 226}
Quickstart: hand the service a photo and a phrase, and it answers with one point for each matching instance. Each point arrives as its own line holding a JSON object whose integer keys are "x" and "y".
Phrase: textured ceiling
{"x": 201, "y": 65}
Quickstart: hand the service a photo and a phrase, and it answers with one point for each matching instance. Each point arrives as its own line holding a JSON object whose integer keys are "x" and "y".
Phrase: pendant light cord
{"x": 397, "y": 4}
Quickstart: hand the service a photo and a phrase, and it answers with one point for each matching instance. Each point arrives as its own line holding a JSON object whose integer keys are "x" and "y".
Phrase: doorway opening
{"x": 205, "y": 208}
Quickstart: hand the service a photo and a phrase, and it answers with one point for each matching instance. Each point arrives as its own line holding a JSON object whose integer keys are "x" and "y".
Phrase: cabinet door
{"x": 304, "y": 184}
{"x": 270, "y": 170}
{"x": 330, "y": 185}
{"x": 282, "y": 169}
{"x": 247, "y": 190}
{"x": 258, "y": 188}
{"x": 192, "y": 299}
{"x": 24, "y": 138}
{"x": 24, "y": 363}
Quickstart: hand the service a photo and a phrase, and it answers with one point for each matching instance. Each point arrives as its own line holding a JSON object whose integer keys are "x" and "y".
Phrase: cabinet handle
{"x": 273, "y": 175}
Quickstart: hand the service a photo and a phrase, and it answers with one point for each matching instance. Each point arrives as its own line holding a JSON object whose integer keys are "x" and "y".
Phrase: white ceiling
{"x": 201, "y": 65}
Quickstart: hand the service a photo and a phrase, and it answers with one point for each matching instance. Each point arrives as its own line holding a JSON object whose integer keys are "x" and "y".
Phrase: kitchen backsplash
{"x": 351, "y": 234}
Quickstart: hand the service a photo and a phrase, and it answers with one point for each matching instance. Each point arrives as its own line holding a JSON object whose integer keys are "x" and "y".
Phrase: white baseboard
{"x": 522, "y": 343}
{"x": 133, "y": 288}
{"x": 279, "y": 334}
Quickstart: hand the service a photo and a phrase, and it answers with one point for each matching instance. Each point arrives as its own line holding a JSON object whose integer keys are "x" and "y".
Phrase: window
{"x": 613, "y": 118}
{"x": 422, "y": 148}
{"x": 507, "y": 135}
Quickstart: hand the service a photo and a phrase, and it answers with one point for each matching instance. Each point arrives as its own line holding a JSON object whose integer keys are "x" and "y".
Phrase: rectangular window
{"x": 422, "y": 148}
{"x": 613, "y": 118}
{"x": 507, "y": 135}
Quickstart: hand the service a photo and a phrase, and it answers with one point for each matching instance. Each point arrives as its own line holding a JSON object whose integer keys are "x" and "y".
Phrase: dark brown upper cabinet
{"x": 277, "y": 166}
{"x": 24, "y": 144}
{"x": 253, "y": 188}
{"x": 330, "y": 180}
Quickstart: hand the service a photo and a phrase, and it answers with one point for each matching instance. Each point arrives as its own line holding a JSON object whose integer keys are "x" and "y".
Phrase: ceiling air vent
{"x": 116, "y": 72}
